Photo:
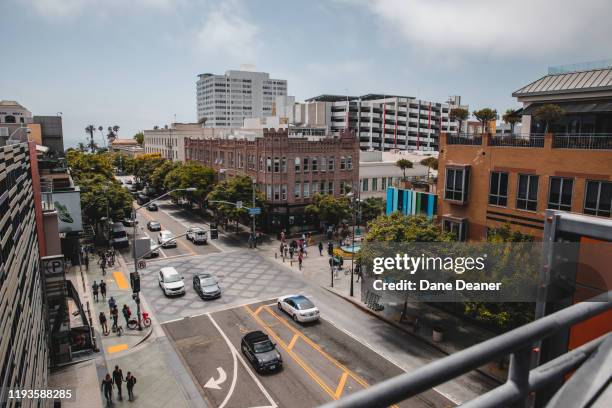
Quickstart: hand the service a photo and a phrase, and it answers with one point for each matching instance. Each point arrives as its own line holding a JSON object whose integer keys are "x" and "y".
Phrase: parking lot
{"x": 320, "y": 361}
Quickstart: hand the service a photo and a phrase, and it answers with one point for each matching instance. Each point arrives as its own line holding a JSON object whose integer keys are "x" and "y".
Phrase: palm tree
{"x": 484, "y": 116}
{"x": 81, "y": 147}
{"x": 431, "y": 163}
{"x": 404, "y": 164}
{"x": 90, "y": 130}
{"x": 459, "y": 115}
{"x": 549, "y": 114}
{"x": 511, "y": 117}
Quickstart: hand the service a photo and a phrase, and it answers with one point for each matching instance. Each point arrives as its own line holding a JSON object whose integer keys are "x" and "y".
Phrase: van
{"x": 118, "y": 236}
{"x": 170, "y": 282}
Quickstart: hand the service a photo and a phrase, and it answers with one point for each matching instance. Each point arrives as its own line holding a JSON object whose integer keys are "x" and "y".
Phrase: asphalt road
{"x": 321, "y": 362}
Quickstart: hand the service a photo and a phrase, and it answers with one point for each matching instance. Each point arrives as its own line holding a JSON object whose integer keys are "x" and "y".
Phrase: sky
{"x": 135, "y": 63}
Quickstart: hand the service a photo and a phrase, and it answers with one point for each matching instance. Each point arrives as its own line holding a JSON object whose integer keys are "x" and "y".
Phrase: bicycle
{"x": 145, "y": 321}
{"x": 118, "y": 330}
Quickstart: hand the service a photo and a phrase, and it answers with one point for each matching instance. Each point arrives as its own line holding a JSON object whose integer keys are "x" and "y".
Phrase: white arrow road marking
{"x": 236, "y": 356}
{"x": 212, "y": 383}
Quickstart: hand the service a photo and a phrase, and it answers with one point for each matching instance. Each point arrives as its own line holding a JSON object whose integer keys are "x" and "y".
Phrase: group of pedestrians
{"x": 99, "y": 287}
{"x": 297, "y": 248}
{"x": 117, "y": 380}
{"x": 107, "y": 259}
{"x": 114, "y": 315}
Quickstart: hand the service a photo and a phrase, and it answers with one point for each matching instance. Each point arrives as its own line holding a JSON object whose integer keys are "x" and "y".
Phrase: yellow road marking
{"x": 293, "y": 340}
{"x": 295, "y": 357}
{"x": 341, "y": 384}
{"x": 258, "y": 310}
{"x": 120, "y": 279}
{"x": 117, "y": 348}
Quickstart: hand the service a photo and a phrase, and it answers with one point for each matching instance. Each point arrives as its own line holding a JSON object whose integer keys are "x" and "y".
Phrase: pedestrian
{"x": 282, "y": 249}
{"x": 115, "y": 316}
{"x": 94, "y": 289}
{"x": 304, "y": 250}
{"x": 102, "y": 319}
{"x": 330, "y": 248}
{"x": 331, "y": 263}
{"x": 131, "y": 381}
{"x": 320, "y": 248}
{"x": 118, "y": 379}
{"x": 103, "y": 289}
{"x": 291, "y": 252}
{"x": 112, "y": 303}
{"x": 126, "y": 313}
{"x": 358, "y": 271}
{"x": 286, "y": 250}
{"x": 107, "y": 387}
{"x": 300, "y": 259}
{"x": 103, "y": 267}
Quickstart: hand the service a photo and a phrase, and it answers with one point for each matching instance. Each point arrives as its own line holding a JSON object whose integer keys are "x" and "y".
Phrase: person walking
{"x": 304, "y": 249}
{"x": 126, "y": 314}
{"x": 300, "y": 259}
{"x": 103, "y": 266}
{"x": 107, "y": 387}
{"x": 320, "y": 248}
{"x": 115, "y": 316}
{"x": 94, "y": 290}
{"x": 103, "y": 324}
{"x": 130, "y": 382}
{"x": 103, "y": 289}
{"x": 118, "y": 380}
{"x": 112, "y": 303}
{"x": 330, "y": 248}
{"x": 291, "y": 251}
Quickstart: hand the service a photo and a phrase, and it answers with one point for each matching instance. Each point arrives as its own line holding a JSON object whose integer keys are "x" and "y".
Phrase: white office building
{"x": 409, "y": 123}
{"x": 226, "y": 100}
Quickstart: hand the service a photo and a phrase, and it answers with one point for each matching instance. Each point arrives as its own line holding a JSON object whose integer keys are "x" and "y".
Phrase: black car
{"x": 152, "y": 207}
{"x": 128, "y": 222}
{"x": 153, "y": 225}
{"x": 261, "y": 352}
{"x": 206, "y": 286}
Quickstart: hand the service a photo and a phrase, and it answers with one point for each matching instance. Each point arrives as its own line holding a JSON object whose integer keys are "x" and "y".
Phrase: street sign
{"x": 238, "y": 204}
{"x": 254, "y": 211}
{"x": 142, "y": 264}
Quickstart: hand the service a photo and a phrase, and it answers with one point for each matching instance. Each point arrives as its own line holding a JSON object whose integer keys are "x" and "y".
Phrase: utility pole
{"x": 253, "y": 215}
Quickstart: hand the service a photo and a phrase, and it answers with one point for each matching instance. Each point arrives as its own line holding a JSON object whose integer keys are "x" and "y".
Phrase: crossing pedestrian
{"x": 102, "y": 319}
{"x": 126, "y": 314}
{"x": 118, "y": 380}
{"x": 107, "y": 387}
{"x": 330, "y": 248}
{"x": 103, "y": 289}
{"x": 130, "y": 382}
{"x": 112, "y": 303}
{"x": 320, "y": 248}
{"x": 94, "y": 290}
{"x": 115, "y": 316}
{"x": 291, "y": 251}
{"x": 300, "y": 259}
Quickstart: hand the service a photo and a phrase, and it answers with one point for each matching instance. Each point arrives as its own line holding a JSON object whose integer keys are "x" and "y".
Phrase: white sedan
{"x": 299, "y": 307}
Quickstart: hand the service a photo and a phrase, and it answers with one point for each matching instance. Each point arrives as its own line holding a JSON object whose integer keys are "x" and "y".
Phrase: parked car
{"x": 197, "y": 235}
{"x": 166, "y": 239}
{"x": 129, "y": 181}
{"x": 142, "y": 198}
{"x": 128, "y": 222}
{"x": 154, "y": 250}
{"x": 118, "y": 236}
{"x": 170, "y": 281}
{"x": 261, "y": 352}
{"x": 206, "y": 286}
{"x": 152, "y": 207}
{"x": 153, "y": 225}
{"x": 299, "y": 307}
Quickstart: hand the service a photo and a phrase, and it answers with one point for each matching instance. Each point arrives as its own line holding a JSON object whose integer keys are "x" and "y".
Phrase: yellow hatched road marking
{"x": 117, "y": 348}
{"x": 120, "y": 279}
{"x": 341, "y": 384}
{"x": 293, "y": 340}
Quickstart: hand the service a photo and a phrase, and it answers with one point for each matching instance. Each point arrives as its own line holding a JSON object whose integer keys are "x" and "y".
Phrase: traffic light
{"x": 135, "y": 281}
{"x": 214, "y": 232}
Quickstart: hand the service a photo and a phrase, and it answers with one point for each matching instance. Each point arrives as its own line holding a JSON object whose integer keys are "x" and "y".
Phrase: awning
{"x": 573, "y": 107}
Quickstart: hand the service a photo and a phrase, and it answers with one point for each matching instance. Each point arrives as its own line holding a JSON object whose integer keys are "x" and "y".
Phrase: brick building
{"x": 289, "y": 166}
{"x": 486, "y": 181}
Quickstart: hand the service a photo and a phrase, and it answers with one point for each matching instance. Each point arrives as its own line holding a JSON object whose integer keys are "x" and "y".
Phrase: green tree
{"x": 123, "y": 162}
{"x": 404, "y": 164}
{"x": 145, "y": 165}
{"x": 329, "y": 209}
{"x": 239, "y": 188}
{"x": 371, "y": 208}
{"x": 398, "y": 227}
{"x": 80, "y": 163}
{"x": 190, "y": 175}
{"x": 511, "y": 117}
{"x": 139, "y": 137}
{"x": 430, "y": 163}
{"x": 484, "y": 116}
{"x": 158, "y": 176}
{"x": 459, "y": 115}
{"x": 549, "y": 114}
{"x": 90, "y": 129}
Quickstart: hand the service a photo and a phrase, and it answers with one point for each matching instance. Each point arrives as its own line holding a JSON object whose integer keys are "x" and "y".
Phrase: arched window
{"x": 10, "y": 119}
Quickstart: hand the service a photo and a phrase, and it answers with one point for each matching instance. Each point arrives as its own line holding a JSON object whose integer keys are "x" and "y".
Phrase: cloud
{"x": 498, "y": 28}
{"x": 61, "y": 9}
{"x": 227, "y": 31}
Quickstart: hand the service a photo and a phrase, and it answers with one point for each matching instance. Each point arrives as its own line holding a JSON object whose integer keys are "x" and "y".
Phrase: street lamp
{"x": 354, "y": 203}
{"x": 135, "y": 294}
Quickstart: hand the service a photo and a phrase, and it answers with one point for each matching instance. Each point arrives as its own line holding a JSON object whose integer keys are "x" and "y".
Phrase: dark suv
{"x": 261, "y": 352}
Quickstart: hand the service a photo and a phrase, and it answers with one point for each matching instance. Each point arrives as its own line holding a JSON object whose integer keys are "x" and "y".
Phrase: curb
{"x": 403, "y": 329}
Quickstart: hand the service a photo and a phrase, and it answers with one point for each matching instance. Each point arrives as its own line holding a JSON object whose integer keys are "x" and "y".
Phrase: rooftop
{"x": 366, "y": 97}
{"x": 567, "y": 83}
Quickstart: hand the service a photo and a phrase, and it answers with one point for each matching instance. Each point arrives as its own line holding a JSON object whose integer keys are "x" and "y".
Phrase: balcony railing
{"x": 589, "y": 141}
{"x": 464, "y": 139}
{"x": 532, "y": 140}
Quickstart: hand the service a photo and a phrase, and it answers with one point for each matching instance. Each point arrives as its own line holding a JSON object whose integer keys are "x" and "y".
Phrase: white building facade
{"x": 226, "y": 100}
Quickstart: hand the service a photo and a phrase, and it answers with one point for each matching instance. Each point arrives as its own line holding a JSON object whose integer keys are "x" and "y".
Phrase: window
{"x": 598, "y": 198}
{"x": 342, "y": 163}
{"x": 297, "y": 190}
{"x": 322, "y": 188}
{"x": 364, "y": 184}
{"x": 456, "y": 188}
{"x": 276, "y": 165}
{"x": 458, "y": 228}
{"x": 284, "y": 164}
{"x": 268, "y": 192}
{"x": 330, "y": 164}
{"x": 283, "y": 192}
{"x": 560, "y": 193}
{"x": 349, "y": 163}
{"x": 527, "y": 194}
{"x": 276, "y": 192}
{"x": 314, "y": 164}
{"x": 315, "y": 187}
{"x": 297, "y": 165}
{"x": 269, "y": 164}
{"x": 306, "y": 162}
{"x": 261, "y": 165}
{"x": 306, "y": 190}
{"x": 384, "y": 183}
{"x": 323, "y": 163}
{"x": 374, "y": 184}
{"x": 498, "y": 189}
{"x": 330, "y": 187}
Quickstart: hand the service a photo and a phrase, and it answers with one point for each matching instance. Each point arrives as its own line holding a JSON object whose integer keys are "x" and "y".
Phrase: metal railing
{"x": 532, "y": 140}
{"x": 518, "y": 343}
{"x": 464, "y": 139}
{"x": 588, "y": 141}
